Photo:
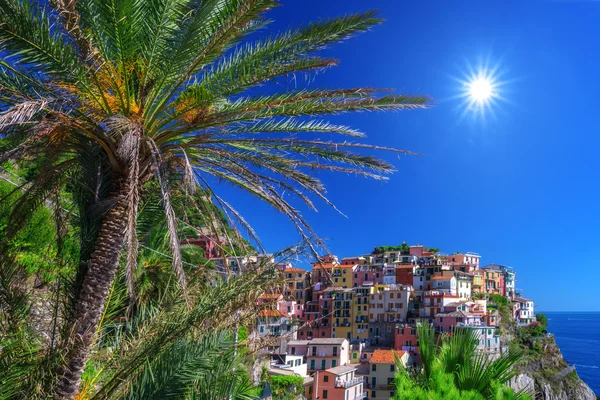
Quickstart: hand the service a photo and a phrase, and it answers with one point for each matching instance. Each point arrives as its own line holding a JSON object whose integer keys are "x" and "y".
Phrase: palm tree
{"x": 117, "y": 96}
{"x": 456, "y": 369}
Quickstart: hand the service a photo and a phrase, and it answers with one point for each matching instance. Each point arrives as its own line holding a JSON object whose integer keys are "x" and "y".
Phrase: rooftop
{"x": 385, "y": 356}
{"x": 294, "y": 270}
{"x": 270, "y": 296}
{"x": 441, "y": 278}
{"x": 298, "y": 342}
{"x": 342, "y": 369}
{"x": 327, "y": 341}
{"x": 271, "y": 313}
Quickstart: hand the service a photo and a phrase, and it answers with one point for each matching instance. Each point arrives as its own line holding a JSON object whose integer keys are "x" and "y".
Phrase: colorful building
{"x": 382, "y": 372}
{"x": 327, "y": 353}
{"x": 339, "y": 383}
{"x": 342, "y": 275}
{"x": 360, "y": 313}
{"x": 464, "y": 259}
{"x": 434, "y": 302}
{"x": 388, "y": 305}
{"x": 523, "y": 311}
{"x": 342, "y": 318}
{"x": 446, "y": 322}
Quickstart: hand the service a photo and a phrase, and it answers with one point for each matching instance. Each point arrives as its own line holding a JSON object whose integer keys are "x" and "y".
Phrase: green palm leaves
{"x": 456, "y": 369}
{"x": 138, "y": 97}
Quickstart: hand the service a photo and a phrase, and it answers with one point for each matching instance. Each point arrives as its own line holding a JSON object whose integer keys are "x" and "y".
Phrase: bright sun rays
{"x": 481, "y": 90}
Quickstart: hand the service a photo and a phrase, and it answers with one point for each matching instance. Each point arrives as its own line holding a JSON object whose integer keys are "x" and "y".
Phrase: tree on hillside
{"x": 122, "y": 96}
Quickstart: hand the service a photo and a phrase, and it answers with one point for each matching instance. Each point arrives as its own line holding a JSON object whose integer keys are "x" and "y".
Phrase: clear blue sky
{"x": 521, "y": 188}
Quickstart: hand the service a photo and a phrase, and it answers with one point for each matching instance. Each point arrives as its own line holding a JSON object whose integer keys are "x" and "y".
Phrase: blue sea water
{"x": 578, "y": 336}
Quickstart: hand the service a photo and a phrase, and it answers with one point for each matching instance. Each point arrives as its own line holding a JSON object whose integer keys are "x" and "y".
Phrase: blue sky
{"x": 519, "y": 187}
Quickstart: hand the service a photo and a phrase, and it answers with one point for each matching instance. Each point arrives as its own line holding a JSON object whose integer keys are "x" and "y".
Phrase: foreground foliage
{"x": 122, "y": 99}
{"x": 456, "y": 370}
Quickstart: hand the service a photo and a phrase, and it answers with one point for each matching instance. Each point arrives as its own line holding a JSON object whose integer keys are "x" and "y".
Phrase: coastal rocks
{"x": 579, "y": 392}
{"x": 523, "y": 382}
{"x": 551, "y": 376}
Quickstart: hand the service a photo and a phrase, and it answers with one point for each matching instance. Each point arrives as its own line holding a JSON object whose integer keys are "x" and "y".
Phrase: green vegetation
{"x": 115, "y": 104}
{"x": 286, "y": 387}
{"x": 455, "y": 370}
{"x": 536, "y": 329}
{"x": 403, "y": 249}
{"x": 504, "y": 307}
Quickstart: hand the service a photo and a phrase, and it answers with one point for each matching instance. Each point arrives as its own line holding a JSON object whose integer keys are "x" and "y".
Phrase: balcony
{"x": 360, "y": 396}
{"x": 346, "y": 384}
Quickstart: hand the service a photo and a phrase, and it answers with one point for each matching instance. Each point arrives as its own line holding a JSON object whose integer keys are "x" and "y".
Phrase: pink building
{"x": 297, "y": 347}
{"x": 210, "y": 244}
{"x": 367, "y": 275}
{"x": 417, "y": 250}
{"x": 435, "y": 302}
{"x": 405, "y": 338}
{"x": 339, "y": 383}
{"x": 327, "y": 353}
{"x": 464, "y": 259}
{"x": 448, "y": 321}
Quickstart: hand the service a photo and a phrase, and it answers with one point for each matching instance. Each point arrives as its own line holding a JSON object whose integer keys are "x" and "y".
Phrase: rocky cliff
{"x": 546, "y": 372}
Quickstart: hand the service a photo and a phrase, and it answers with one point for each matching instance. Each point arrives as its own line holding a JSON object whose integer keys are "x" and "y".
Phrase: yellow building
{"x": 342, "y": 275}
{"x": 360, "y": 312}
{"x": 342, "y": 313}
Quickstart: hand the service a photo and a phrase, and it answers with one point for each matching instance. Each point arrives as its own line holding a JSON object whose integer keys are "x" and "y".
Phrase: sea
{"x": 578, "y": 336}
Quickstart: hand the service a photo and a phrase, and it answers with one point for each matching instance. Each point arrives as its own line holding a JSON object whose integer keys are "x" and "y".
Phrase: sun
{"x": 481, "y": 89}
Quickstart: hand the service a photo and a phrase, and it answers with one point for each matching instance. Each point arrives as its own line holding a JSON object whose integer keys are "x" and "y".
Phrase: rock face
{"x": 552, "y": 378}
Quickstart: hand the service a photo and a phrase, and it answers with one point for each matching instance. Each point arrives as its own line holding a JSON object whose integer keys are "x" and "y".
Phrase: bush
{"x": 542, "y": 319}
{"x": 286, "y": 386}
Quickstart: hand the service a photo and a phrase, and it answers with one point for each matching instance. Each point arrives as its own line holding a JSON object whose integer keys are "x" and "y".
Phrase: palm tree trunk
{"x": 102, "y": 268}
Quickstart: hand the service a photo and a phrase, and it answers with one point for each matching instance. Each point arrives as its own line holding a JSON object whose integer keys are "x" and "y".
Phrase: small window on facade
{"x": 374, "y": 367}
{"x": 324, "y": 394}
{"x": 325, "y": 378}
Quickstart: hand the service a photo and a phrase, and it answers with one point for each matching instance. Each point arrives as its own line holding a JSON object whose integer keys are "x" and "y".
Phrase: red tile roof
{"x": 270, "y": 296}
{"x": 385, "y": 356}
{"x": 441, "y": 278}
{"x": 271, "y": 313}
{"x": 294, "y": 270}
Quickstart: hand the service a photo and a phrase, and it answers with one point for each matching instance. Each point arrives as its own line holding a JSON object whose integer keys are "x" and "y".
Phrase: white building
{"x": 464, "y": 286}
{"x": 289, "y": 362}
{"x": 389, "y": 274}
{"x": 444, "y": 284}
{"x": 419, "y": 279}
{"x": 488, "y": 337}
{"x": 523, "y": 310}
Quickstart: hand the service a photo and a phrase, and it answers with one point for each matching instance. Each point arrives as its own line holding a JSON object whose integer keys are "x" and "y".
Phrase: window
{"x": 343, "y": 279}
{"x": 374, "y": 367}
{"x": 312, "y": 364}
{"x": 373, "y": 394}
{"x": 323, "y": 364}
{"x": 392, "y": 368}
{"x": 325, "y": 378}
{"x": 314, "y": 351}
{"x": 354, "y": 355}
{"x": 293, "y": 351}
{"x": 374, "y": 381}
{"x": 335, "y": 350}
{"x": 333, "y": 363}
{"x": 324, "y": 394}
{"x": 262, "y": 328}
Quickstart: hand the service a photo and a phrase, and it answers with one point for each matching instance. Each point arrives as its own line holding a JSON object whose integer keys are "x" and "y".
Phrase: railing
{"x": 362, "y": 395}
{"x": 346, "y": 384}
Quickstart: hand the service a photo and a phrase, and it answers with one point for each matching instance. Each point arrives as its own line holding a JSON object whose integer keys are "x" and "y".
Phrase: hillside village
{"x": 342, "y": 325}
